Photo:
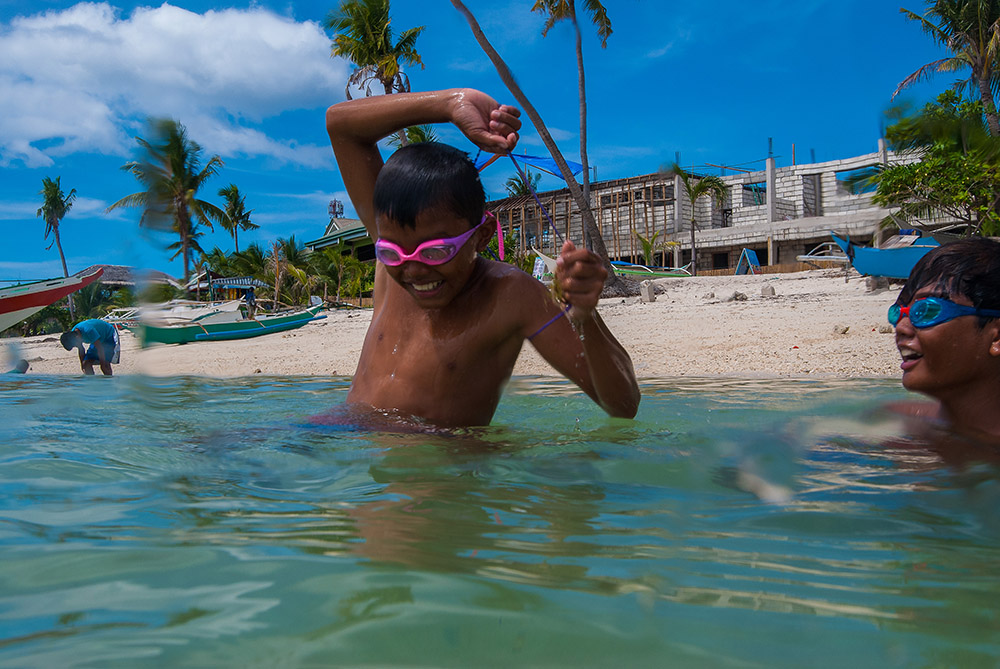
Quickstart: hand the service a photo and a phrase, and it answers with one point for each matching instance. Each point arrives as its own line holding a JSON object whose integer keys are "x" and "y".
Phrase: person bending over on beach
{"x": 105, "y": 348}
{"x": 448, "y": 324}
{"x": 947, "y": 320}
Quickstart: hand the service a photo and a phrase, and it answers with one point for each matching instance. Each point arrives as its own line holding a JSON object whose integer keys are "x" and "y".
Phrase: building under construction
{"x": 779, "y": 213}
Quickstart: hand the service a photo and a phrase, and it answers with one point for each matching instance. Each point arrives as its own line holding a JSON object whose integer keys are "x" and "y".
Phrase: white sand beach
{"x": 816, "y": 324}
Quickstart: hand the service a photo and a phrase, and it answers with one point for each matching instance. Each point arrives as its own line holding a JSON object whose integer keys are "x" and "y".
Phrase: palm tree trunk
{"x": 989, "y": 106}
{"x": 590, "y": 225}
{"x": 62, "y": 257}
{"x": 236, "y": 237}
{"x": 582, "y": 85}
{"x": 694, "y": 251}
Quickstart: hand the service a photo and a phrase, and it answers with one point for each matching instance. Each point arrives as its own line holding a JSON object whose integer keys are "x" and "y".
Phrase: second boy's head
{"x": 947, "y": 318}
{"x": 429, "y": 206}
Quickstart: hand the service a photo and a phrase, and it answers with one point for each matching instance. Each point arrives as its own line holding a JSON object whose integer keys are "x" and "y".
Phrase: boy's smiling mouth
{"x": 910, "y": 356}
{"x": 426, "y": 287}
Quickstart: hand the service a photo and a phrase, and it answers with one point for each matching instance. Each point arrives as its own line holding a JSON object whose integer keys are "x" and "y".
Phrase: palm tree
{"x": 649, "y": 246}
{"x": 518, "y": 185}
{"x": 251, "y": 261}
{"x": 171, "y": 172}
{"x": 276, "y": 259}
{"x": 93, "y": 301}
{"x": 415, "y": 135}
{"x": 970, "y": 29}
{"x": 219, "y": 261}
{"x": 695, "y": 187}
{"x": 364, "y": 36}
{"x": 591, "y": 230}
{"x": 557, "y": 10}
{"x": 54, "y": 208}
{"x": 237, "y": 217}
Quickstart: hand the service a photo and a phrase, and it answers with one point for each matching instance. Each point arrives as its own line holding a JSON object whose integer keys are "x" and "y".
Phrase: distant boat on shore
{"x": 26, "y": 299}
{"x": 221, "y": 324}
{"x": 893, "y": 260}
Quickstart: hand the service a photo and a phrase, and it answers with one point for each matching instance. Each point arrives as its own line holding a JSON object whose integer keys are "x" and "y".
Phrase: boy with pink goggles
{"x": 448, "y": 324}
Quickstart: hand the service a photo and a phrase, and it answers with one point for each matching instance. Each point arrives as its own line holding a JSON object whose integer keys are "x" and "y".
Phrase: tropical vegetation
{"x": 560, "y": 10}
{"x": 363, "y": 35}
{"x": 523, "y": 184}
{"x": 170, "y": 171}
{"x": 55, "y": 206}
{"x": 970, "y": 29}
{"x": 696, "y": 187}
{"x": 956, "y": 175}
{"x": 237, "y": 217}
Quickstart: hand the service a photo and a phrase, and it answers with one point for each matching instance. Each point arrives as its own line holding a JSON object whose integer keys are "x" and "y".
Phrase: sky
{"x": 713, "y": 83}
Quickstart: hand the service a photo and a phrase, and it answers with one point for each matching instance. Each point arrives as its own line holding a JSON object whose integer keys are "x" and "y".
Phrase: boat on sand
{"x": 219, "y": 323}
{"x": 893, "y": 259}
{"x": 23, "y": 300}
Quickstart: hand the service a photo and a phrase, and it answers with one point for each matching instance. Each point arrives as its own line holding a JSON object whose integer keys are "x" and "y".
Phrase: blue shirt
{"x": 95, "y": 329}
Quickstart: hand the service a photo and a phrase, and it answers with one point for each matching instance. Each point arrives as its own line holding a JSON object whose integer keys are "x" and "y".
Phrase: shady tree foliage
{"x": 970, "y": 29}
{"x": 957, "y": 175}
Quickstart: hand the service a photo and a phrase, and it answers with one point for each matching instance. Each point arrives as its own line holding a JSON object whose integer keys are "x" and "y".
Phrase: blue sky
{"x": 712, "y": 81}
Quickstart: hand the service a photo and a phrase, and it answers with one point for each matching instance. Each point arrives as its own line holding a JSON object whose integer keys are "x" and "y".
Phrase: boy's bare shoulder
{"x": 506, "y": 277}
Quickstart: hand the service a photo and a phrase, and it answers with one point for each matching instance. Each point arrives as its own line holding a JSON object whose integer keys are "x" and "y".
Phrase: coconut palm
{"x": 591, "y": 230}
{"x": 648, "y": 245}
{"x": 696, "y": 187}
{"x": 518, "y": 185}
{"x": 276, "y": 265}
{"x": 970, "y": 29}
{"x": 55, "y": 206}
{"x": 415, "y": 135}
{"x": 93, "y": 300}
{"x": 364, "y": 36}
{"x": 171, "y": 172}
{"x": 237, "y": 217}
{"x": 558, "y": 10}
{"x": 251, "y": 261}
{"x": 219, "y": 261}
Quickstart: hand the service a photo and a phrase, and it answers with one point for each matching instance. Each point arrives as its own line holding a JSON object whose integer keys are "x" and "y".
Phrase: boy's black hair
{"x": 425, "y": 175}
{"x": 969, "y": 267}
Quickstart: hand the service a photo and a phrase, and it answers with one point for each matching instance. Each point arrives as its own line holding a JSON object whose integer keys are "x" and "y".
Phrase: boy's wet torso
{"x": 447, "y": 363}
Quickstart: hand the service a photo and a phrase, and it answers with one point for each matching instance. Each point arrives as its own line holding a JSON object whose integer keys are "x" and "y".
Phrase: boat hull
{"x": 240, "y": 329}
{"x": 19, "y": 302}
{"x": 890, "y": 263}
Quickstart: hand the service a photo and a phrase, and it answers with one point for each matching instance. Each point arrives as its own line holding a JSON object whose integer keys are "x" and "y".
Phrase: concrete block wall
{"x": 798, "y": 192}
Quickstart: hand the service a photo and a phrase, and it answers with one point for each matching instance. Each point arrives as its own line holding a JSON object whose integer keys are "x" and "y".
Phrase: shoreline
{"x": 815, "y": 325}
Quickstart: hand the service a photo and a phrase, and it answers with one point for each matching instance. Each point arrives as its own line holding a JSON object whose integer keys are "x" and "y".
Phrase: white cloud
{"x": 84, "y": 79}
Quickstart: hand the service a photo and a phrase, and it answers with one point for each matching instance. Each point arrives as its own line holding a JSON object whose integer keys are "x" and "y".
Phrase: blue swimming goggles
{"x": 931, "y": 311}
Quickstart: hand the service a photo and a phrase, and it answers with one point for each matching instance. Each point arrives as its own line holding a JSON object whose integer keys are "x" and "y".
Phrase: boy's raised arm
{"x": 356, "y": 126}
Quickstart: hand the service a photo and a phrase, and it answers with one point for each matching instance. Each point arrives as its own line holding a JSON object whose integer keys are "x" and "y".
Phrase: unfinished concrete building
{"x": 779, "y": 213}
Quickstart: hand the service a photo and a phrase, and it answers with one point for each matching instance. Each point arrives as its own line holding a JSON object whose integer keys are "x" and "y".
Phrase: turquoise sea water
{"x": 192, "y": 522}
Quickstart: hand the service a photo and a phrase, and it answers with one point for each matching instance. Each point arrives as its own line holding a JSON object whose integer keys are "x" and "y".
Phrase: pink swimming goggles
{"x": 431, "y": 252}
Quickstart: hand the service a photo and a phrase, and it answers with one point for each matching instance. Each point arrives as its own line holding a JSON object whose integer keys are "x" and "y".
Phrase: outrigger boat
{"x": 23, "y": 300}
{"x": 221, "y": 323}
{"x": 641, "y": 271}
{"x": 894, "y": 259}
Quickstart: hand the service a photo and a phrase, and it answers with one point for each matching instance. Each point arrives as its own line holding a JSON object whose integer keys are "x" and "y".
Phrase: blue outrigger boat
{"x": 893, "y": 260}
